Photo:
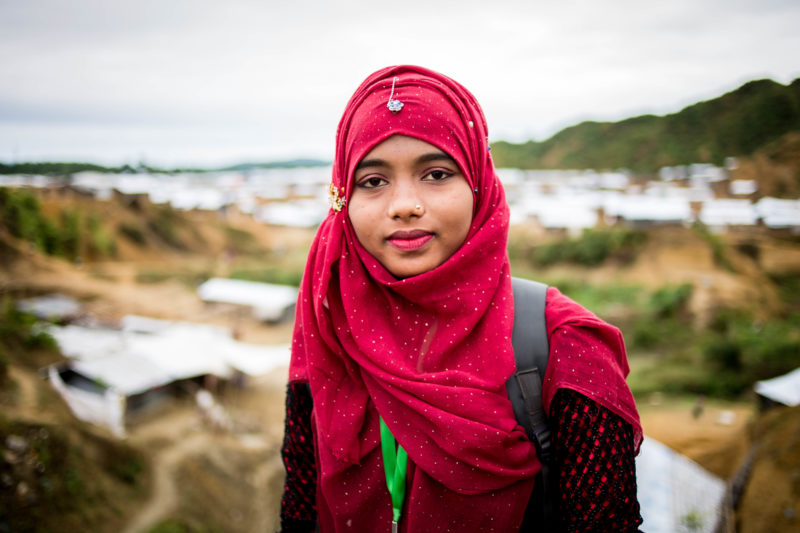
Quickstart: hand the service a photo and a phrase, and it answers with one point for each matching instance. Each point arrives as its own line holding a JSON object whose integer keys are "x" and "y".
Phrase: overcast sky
{"x": 200, "y": 82}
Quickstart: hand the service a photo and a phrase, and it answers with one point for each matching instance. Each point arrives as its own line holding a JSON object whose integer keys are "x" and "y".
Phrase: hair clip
{"x": 334, "y": 200}
{"x": 394, "y": 105}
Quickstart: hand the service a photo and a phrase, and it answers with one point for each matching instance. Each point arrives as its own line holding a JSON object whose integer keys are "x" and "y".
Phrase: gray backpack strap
{"x": 531, "y": 351}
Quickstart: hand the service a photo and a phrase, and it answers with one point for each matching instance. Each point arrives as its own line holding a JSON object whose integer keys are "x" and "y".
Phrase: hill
{"x": 738, "y": 123}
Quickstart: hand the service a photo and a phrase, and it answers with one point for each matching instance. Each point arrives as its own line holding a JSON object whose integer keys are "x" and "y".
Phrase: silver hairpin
{"x": 394, "y": 105}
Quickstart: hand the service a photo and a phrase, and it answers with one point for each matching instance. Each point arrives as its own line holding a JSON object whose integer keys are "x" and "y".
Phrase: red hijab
{"x": 430, "y": 354}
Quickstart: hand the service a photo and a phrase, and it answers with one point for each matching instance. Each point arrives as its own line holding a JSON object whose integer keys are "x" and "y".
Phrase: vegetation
{"x": 54, "y": 169}
{"x": 720, "y": 363}
{"x": 69, "y": 235}
{"x": 19, "y": 333}
{"x": 134, "y": 233}
{"x": 735, "y": 124}
{"x": 591, "y": 248}
{"x": 67, "y": 169}
{"x": 668, "y": 353}
{"x": 270, "y": 274}
{"x": 50, "y": 484}
{"x": 241, "y": 241}
{"x": 190, "y": 277}
{"x": 165, "y": 225}
{"x": 718, "y": 250}
{"x": 55, "y": 477}
{"x": 181, "y": 526}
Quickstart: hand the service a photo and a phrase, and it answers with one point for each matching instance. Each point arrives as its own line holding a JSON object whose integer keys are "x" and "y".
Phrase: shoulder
{"x": 587, "y": 355}
{"x": 562, "y": 309}
{"x": 567, "y": 320}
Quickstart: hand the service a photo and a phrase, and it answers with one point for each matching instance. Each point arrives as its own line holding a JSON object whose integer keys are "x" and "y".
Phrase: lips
{"x": 410, "y": 240}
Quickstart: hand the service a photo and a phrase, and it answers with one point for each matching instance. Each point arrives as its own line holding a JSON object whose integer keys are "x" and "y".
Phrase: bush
{"x": 744, "y": 352}
{"x": 100, "y": 242}
{"x": 4, "y": 364}
{"x": 165, "y": 225}
{"x": 670, "y": 302}
{"x": 718, "y": 249}
{"x": 241, "y": 241}
{"x": 649, "y": 333}
{"x": 20, "y": 334}
{"x": 723, "y": 354}
{"x": 70, "y": 234}
{"x": 21, "y": 214}
{"x": 133, "y": 233}
{"x": 592, "y": 248}
{"x": 276, "y": 275}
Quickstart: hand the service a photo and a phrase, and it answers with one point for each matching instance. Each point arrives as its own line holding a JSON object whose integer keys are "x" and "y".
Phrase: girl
{"x": 397, "y": 411}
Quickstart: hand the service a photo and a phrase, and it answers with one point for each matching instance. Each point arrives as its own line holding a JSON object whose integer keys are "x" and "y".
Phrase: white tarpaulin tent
{"x": 173, "y": 350}
{"x": 124, "y": 372}
{"x": 675, "y": 493}
{"x": 146, "y": 356}
{"x": 268, "y": 301}
{"x": 783, "y": 389}
{"x": 778, "y": 212}
{"x": 79, "y": 342}
{"x": 107, "y": 410}
{"x": 51, "y": 307}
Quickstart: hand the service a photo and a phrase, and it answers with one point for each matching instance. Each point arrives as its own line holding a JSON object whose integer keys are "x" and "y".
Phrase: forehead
{"x": 399, "y": 149}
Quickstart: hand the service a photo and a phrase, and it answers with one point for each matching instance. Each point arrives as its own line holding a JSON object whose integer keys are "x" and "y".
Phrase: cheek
{"x": 461, "y": 212}
{"x": 361, "y": 218}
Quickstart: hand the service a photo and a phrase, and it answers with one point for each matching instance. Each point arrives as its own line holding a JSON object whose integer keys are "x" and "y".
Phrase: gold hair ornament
{"x": 334, "y": 200}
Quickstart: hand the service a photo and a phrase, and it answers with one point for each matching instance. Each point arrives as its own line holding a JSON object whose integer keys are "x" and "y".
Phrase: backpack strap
{"x": 531, "y": 352}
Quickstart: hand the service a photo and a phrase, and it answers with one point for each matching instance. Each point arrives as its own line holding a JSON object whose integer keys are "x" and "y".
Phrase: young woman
{"x": 397, "y": 409}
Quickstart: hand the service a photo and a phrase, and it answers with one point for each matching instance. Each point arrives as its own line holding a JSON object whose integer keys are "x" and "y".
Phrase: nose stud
{"x": 418, "y": 208}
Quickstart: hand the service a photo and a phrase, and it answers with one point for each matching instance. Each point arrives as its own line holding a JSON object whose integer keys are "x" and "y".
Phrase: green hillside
{"x": 736, "y": 124}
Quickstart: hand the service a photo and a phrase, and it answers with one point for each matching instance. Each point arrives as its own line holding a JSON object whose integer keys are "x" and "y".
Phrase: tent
{"x": 675, "y": 493}
{"x": 269, "y": 302}
{"x": 115, "y": 372}
{"x": 783, "y": 390}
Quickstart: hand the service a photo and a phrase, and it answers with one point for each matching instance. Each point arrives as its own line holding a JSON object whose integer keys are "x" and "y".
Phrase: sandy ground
{"x": 716, "y": 438}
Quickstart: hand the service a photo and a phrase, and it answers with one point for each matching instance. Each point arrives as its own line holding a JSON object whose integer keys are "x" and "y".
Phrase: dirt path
{"x": 164, "y": 498}
{"x": 180, "y": 441}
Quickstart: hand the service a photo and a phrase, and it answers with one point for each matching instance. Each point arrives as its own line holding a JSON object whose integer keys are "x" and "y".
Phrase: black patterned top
{"x": 593, "y": 463}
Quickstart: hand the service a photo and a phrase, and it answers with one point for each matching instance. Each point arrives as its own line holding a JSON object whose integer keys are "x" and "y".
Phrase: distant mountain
{"x": 736, "y": 124}
{"x": 69, "y": 168}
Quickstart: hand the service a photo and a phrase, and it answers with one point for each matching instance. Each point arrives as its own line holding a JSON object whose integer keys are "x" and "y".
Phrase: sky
{"x": 211, "y": 83}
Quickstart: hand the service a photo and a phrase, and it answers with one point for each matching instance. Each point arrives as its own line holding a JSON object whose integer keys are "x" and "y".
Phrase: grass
{"x": 269, "y": 274}
{"x": 591, "y": 248}
{"x": 188, "y": 277}
{"x": 241, "y": 241}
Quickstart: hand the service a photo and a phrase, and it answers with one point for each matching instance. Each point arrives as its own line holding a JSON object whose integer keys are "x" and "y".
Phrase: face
{"x": 411, "y": 206}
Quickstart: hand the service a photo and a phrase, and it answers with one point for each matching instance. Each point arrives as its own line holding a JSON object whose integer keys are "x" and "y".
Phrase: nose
{"x": 405, "y": 201}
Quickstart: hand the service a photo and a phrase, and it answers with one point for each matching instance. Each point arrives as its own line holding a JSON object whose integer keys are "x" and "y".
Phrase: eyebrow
{"x": 424, "y": 158}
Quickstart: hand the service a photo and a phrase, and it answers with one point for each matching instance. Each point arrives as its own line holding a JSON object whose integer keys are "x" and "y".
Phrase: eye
{"x": 437, "y": 175}
{"x": 371, "y": 182}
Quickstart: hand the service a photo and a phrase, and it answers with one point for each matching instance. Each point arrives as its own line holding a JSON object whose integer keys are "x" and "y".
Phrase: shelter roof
{"x": 784, "y": 389}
